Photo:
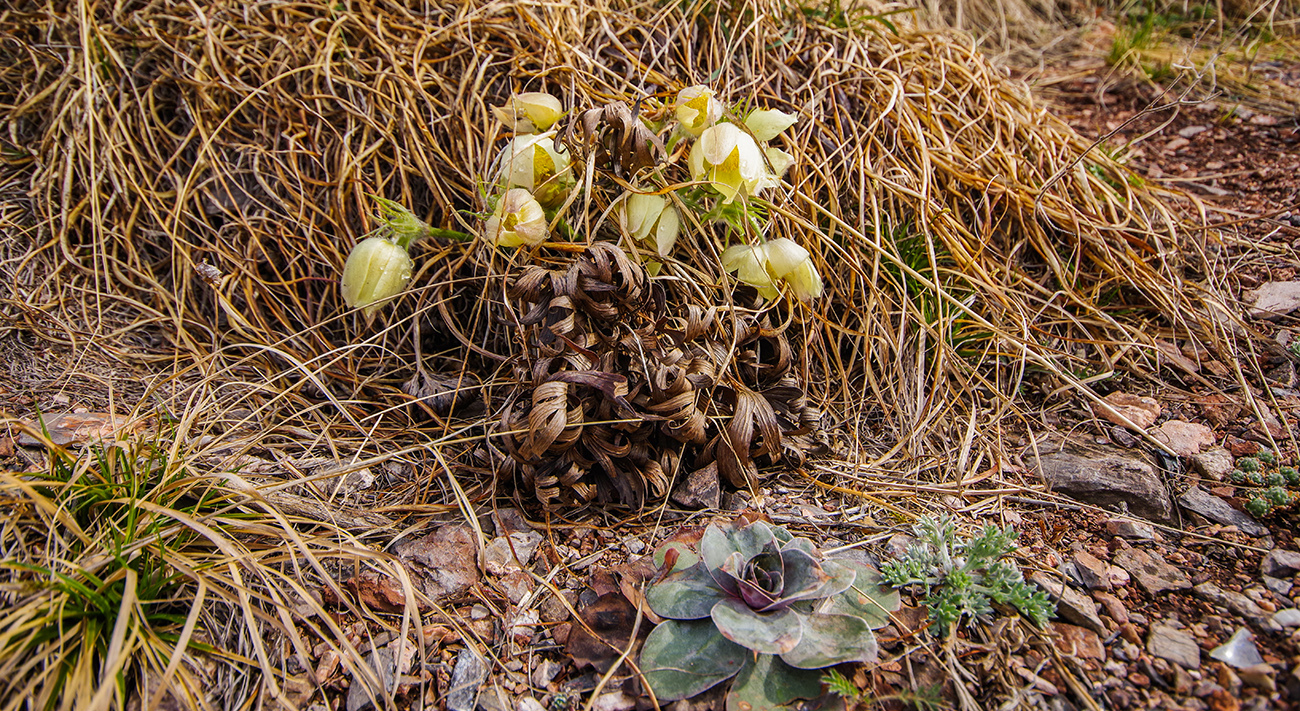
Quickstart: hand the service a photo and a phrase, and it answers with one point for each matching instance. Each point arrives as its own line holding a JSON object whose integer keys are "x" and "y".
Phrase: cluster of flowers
{"x": 535, "y": 179}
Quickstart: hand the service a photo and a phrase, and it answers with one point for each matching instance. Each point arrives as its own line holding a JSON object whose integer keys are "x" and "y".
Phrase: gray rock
{"x": 466, "y": 678}
{"x": 1212, "y": 507}
{"x": 700, "y": 490}
{"x": 1093, "y": 572}
{"x": 1174, "y": 645}
{"x": 1280, "y": 563}
{"x": 506, "y": 554}
{"x": 1277, "y": 586}
{"x": 1287, "y": 618}
{"x": 1234, "y": 602}
{"x": 1275, "y": 300}
{"x": 1106, "y": 476}
{"x": 1151, "y": 571}
{"x": 1070, "y": 603}
{"x": 1239, "y": 651}
{"x": 381, "y": 660}
{"x": 1214, "y": 464}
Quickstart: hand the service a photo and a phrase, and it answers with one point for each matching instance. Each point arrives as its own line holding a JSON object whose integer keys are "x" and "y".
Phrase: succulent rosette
{"x": 765, "y": 607}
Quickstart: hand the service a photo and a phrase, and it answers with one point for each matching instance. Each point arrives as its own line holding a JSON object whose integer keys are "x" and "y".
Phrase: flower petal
{"x": 767, "y": 124}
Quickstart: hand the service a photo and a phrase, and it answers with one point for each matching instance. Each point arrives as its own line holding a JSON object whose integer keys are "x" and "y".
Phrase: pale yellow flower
{"x": 697, "y": 109}
{"x": 376, "y": 270}
{"x": 518, "y": 220}
{"x": 529, "y": 112}
{"x": 651, "y": 219}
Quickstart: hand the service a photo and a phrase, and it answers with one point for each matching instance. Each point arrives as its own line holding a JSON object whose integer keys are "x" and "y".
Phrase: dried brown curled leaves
{"x": 617, "y": 389}
{"x": 615, "y": 138}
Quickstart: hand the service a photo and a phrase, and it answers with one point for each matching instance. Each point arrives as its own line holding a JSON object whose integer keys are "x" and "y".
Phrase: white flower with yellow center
{"x": 531, "y": 161}
{"x": 750, "y": 266}
{"x": 697, "y": 109}
{"x": 730, "y": 160}
{"x": 518, "y": 220}
{"x": 788, "y": 261}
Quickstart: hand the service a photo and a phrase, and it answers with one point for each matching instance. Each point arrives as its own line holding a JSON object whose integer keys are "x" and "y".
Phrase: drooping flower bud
{"x": 767, "y": 124}
{"x": 804, "y": 281}
{"x": 529, "y": 112}
{"x": 377, "y": 270}
{"x": 531, "y": 162}
{"x": 697, "y": 109}
{"x": 729, "y": 159}
{"x": 788, "y": 261}
{"x": 750, "y": 265}
{"x": 783, "y": 255}
{"x": 652, "y": 219}
{"x": 518, "y": 220}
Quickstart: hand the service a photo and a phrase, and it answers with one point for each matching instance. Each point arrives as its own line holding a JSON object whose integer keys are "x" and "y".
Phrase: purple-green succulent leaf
{"x": 832, "y": 639}
{"x": 800, "y": 544}
{"x": 865, "y": 599}
{"x": 685, "y": 556}
{"x": 688, "y": 594}
{"x": 839, "y": 578}
{"x": 682, "y": 659}
{"x": 803, "y": 576}
{"x": 719, "y": 542}
{"x": 766, "y": 633}
{"x": 768, "y": 684}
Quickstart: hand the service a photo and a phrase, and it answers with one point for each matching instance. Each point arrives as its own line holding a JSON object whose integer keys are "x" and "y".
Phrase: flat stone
{"x": 1287, "y": 618}
{"x": 1212, "y": 507}
{"x": 507, "y": 554}
{"x": 1131, "y": 530}
{"x": 1280, "y": 563}
{"x": 1151, "y": 571}
{"x": 1277, "y": 586}
{"x": 381, "y": 660}
{"x": 1275, "y": 299}
{"x": 1239, "y": 651}
{"x": 1070, "y": 603}
{"x": 469, "y": 674}
{"x": 447, "y": 559}
{"x": 1114, "y": 606}
{"x": 78, "y": 427}
{"x": 1078, "y": 642}
{"x": 1141, "y": 411}
{"x": 1185, "y": 438}
{"x": 1234, "y": 602}
{"x": 1093, "y": 572}
{"x": 1174, "y": 645}
{"x": 1261, "y": 676}
{"x": 1214, "y": 464}
{"x": 1106, "y": 476}
{"x": 700, "y": 490}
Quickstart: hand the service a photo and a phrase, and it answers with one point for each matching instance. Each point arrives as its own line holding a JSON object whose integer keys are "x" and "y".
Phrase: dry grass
{"x": 973, "y": 245}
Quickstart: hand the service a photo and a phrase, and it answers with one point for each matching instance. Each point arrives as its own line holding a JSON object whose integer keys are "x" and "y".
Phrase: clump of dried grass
{"x": 965, "y": 234}
{"x": 122, "y": 564}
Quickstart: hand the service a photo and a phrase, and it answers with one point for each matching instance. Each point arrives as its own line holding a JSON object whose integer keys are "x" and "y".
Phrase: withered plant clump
{"x": 623, "y": 389}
